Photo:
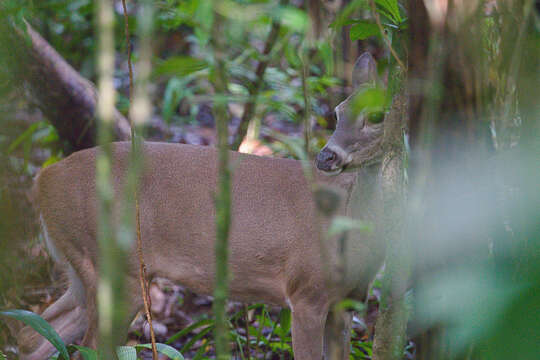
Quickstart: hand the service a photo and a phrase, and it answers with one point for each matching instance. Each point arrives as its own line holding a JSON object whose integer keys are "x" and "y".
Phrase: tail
{"x": 36, "y": 197}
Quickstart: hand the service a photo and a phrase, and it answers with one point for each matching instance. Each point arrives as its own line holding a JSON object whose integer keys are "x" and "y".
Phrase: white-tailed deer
{"x": 275, "y": 252}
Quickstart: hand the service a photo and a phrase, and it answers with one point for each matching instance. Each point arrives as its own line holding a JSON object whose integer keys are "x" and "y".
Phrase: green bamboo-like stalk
{"x": 110, "y": 296}
{"x": 223, "y": 196}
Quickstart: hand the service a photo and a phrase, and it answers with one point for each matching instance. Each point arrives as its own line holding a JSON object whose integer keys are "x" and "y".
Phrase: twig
{"x": 251, "y": 105}
{"x": 142, "y": 266}
{"x": 385, "y": 37}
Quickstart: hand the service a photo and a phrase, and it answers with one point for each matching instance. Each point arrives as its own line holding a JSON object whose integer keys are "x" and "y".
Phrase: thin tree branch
{"x": 251, "y": 105}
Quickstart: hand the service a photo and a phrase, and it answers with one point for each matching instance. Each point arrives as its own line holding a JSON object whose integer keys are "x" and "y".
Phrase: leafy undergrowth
{"x": 183, "y": 321}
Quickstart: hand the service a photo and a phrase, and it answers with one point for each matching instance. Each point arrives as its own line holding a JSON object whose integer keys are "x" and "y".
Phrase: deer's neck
{"x": 364, "y": 249}
{"x": 364, "y": 192}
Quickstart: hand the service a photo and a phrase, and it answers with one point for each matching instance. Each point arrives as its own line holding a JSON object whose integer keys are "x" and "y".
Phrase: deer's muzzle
{"x": 328, "y": 160}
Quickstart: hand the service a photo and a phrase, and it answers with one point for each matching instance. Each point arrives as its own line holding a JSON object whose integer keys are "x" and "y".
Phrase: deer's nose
{"x": 327, "y": 160}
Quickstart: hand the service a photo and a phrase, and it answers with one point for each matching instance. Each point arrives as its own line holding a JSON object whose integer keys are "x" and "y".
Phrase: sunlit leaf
{"x": 51, "y": 160}
{"x": 391, "y": 10}
{"x": 350, "y": 304}
{"x": 180, "y": 66}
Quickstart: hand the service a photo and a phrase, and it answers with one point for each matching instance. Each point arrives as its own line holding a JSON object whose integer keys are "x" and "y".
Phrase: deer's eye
{"x": 376, "y": 117}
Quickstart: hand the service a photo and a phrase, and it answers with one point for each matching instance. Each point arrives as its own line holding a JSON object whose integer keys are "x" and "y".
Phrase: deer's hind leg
{"x": 133, "y": 304}
{"x": 66, "y": 315}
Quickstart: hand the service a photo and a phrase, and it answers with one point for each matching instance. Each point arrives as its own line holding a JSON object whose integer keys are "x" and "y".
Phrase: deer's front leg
{"x": 308, "y": 330}
{"x": 337, "y": 335}
{"x": 89, "y": 277}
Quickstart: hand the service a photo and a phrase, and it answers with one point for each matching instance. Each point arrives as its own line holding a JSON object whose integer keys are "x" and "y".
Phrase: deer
{"x": 275, "y": 252}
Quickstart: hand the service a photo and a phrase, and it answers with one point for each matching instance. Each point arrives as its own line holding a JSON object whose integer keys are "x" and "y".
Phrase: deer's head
{"x": 359, "y": 130}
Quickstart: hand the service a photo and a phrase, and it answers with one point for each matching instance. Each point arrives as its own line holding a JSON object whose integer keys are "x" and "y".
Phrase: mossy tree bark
{"x": 390, "y": 329}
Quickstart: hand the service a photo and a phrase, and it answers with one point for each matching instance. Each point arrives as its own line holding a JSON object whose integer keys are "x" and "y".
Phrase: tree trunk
{"x": 390, "y": 329}
{"x": 66, "y": 99}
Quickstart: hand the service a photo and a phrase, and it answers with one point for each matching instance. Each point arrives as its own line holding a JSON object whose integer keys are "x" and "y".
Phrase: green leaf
{"x": 126, "y": 353}
{"x": 180, "y": 66}
{"x": 327, "y": 54}
{"x": 53, "y": 159}
{"x": 293, "y": 18}
{"x": 285, "y": 320}
{"x": 279, "y": 347}
{"x": 37, "y": 323}
{"x": 392, "y": 10}
{"x": 350, "y": 304}
{"x": 362, "y": 30}
{"x": 174, "y": 92}
{"x": 196, "y": 338}
{"x": 185, "y": 331}
{"x": 342, "y": 224}
{"x": 86, "y": 352}
{"x": 369, "y": 100}
{"x": 25, "y": 136}
{"x": 164, "y": 349}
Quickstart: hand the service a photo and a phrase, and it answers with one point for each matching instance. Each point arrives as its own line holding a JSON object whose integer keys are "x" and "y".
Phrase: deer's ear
{"x": 365, "y": 70}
